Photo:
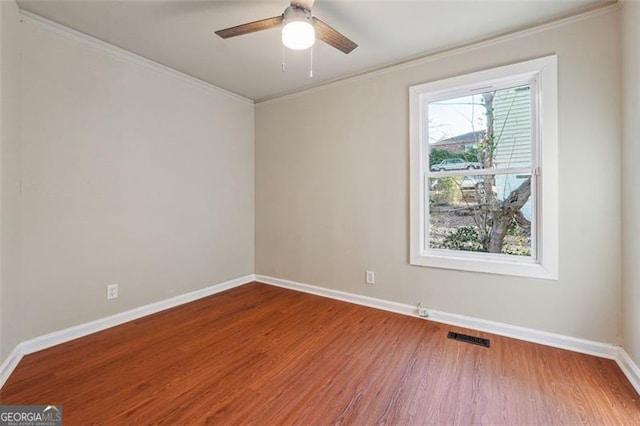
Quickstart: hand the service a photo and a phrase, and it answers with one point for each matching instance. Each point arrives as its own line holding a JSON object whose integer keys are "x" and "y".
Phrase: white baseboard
{"x": 590, "y": 347}
{"x": 10, "y": 363}
{"x": 575, "y": 344}
{"x": 604, "y": 350}
{"x": 61, "y": 336}
{"x": 358, "y": 299}
{"x": 629, "y": 368}
{"x": 531, "y": 335}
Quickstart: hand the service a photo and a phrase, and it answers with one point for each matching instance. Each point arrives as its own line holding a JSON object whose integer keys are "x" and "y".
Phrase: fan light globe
{"x": 298, "y": 35}
{"x": 298, "y": 32}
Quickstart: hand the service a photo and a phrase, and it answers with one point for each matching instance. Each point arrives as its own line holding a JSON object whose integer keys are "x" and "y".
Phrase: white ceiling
{"x": 180, "y": 34}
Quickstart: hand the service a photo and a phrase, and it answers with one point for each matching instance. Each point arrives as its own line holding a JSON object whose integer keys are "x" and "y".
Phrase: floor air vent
{"x": 469, "y": 339}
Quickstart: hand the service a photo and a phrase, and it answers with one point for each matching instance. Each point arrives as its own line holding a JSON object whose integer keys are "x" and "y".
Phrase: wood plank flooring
{"x": 264, "y": 355}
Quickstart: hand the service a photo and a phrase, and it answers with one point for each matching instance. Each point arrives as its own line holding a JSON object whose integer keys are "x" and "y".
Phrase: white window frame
{"x": 544, "y": 260}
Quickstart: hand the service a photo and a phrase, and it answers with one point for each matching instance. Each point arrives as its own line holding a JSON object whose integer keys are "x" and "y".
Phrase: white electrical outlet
{"x": 422, "y": 311}
{"x": 370, "y": 277}
{"x": 112, "y": 291}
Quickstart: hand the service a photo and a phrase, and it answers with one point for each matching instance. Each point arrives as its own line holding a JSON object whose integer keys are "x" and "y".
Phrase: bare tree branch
{"x": 503, "y": 216}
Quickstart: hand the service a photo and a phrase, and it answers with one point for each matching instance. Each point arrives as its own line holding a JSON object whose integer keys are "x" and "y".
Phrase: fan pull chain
{"x": 311, "y": 63}
{"x": 284, "y": 65}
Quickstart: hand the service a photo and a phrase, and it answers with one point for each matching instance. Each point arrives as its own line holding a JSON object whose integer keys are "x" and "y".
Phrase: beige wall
{"x": 129, "y": 175}
{"x": 631, "y": 179}
{"x": 9, "y": 135}
{"x": 332, "y": 188}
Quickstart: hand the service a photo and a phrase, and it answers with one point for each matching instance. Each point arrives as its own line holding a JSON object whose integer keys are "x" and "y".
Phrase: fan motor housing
{"x": 294, "y": 13}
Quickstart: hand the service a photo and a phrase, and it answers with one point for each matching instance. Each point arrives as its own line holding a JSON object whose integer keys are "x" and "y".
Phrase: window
{"x": 484, "y": 171}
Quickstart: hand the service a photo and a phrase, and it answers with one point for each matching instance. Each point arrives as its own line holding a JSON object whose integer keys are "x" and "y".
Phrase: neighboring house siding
{"x": 512, "y": 127}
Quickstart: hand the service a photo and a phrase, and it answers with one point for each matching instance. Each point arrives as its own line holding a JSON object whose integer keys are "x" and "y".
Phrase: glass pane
{"x": 469, "y": 213}
{"x": 487, "y": 130}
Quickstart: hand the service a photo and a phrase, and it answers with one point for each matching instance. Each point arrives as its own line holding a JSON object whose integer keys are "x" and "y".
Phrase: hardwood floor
{"x": 259, "y": 354}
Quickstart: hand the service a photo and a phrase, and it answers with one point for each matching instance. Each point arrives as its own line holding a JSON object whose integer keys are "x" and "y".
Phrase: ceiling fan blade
{"x": 305, "y": 4}
{"x": 332, "y": 37}
{"x": 251, "y": 27}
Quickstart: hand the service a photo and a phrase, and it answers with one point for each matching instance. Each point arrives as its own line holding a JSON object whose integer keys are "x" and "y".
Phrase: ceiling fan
{"x": 299, "y": 28}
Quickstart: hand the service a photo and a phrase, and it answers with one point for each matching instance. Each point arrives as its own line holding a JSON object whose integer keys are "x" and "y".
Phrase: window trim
{"x": 545, "y": 265}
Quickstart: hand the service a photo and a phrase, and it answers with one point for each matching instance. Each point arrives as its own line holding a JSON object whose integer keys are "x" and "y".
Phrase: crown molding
{"x": 438, "y": 54}
{"x": 127, "y": 55}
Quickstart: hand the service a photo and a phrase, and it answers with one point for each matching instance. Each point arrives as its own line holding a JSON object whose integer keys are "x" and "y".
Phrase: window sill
{"x": 499, "y": 266}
